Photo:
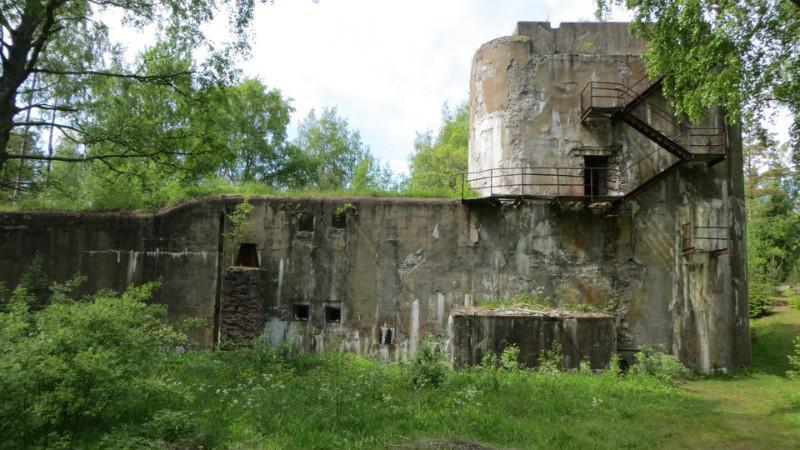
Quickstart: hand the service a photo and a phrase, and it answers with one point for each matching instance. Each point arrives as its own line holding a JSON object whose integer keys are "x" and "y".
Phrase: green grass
{"x": 181, "y": 194}
{"x": 759, "y": 407}
{"x": 255, "y": 400}
{"x": 526, "y": 301}
{"x": 272, "y": 399}
{"x": 344, "y": 401}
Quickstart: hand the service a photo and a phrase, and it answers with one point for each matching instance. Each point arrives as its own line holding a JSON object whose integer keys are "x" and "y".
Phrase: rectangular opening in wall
{"x": 595, "y": 175}
{"x": 305, "y": 222}
{"x": 339, "y": 220}
{"x": 387, "y": 335}
{"x": 247, "y": 256}
{"x": 301, "y": 312}
{"x": 333, "y": 314}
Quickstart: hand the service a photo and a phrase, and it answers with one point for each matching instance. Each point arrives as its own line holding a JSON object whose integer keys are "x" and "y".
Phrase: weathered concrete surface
{"x": 399, "y": 267}
{"x": 396, "y": 268}
{"x": 115, "y": 250}
{"x": 526, "y": 108}
{"x": 580, "y": 337}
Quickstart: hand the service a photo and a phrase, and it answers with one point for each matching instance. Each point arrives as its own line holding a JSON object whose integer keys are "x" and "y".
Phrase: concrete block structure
{"x": 587, "y": 192}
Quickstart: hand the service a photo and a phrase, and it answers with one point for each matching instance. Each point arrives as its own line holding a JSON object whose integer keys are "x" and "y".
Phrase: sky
{"x": 387, "y": 66}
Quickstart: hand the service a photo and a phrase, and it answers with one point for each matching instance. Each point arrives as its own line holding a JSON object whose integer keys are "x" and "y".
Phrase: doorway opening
{"x": 595, "y": 175}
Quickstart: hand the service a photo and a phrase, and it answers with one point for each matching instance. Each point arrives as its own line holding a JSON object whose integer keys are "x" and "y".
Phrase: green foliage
{"x": 739, "y": 55}
{"x": 74, "y": 364}
{"x": 335, "y": 158}
{"x": 34, "y": 282}
{"x": 794, "y": 301}
{"x": 253, "y": 398}
{"x": 520, "y": 301}
{"x": 773, "y": 226}
{"x": 239, "y": 220}
{"x": 64, "y": 59}
{"x": 346, "y": 208}
{"x": 660, "y": 365}
{"x": 428, "y": 368}
{"x": 437, "y": 162}
{"x": 794, "y": 360}
{"x": 509, "y": 359}
{"x": 551, "y": 361}
{"x": 759, "y": 298}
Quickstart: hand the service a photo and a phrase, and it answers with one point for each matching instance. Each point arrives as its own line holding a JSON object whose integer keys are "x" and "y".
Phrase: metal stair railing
{"x": 617, "y": 100}
{"x": 604, "y": 183}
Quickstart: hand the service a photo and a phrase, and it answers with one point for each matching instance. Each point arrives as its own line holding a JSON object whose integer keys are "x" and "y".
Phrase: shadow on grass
{"x": 772, "y": 343}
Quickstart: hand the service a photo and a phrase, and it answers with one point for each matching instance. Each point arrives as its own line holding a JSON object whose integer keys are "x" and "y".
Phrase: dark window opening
{"x": 306, "y": 222}
{"x": 333, "y": 314}
{"x": 387, "y": 337}
{"x": 301, "y": 312}
{"x": 339, "y": 220}
{"x": 247, "y": 256}
{"x": 595, "y": 175}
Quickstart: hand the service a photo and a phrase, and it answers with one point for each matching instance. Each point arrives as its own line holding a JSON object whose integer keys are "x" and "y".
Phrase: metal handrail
{"x": 689, "y": 234}
{"x": 624, "y": 95}
{"x": 563, "y": 178}
{"x": 560, "y": 178}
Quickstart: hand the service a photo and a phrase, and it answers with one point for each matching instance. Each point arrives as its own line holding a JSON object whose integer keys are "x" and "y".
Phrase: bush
{"x": 78, "y": 365}
{"x": 794, "y": 361}
{"x": 428, "y": 367}
{"x": 509, "y": 359}
{"x": 551, "y": 361}
{"x": 794, "y": 301}
{"x": 660, "y": 365}
{"x": 760, "y": 298}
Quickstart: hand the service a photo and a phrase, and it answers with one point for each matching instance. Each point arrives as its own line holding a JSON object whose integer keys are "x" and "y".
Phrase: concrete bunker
{"x": 401, "y": 266}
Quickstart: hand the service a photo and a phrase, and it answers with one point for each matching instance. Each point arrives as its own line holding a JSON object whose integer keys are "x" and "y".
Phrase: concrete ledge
{"x": 587, "y": 337}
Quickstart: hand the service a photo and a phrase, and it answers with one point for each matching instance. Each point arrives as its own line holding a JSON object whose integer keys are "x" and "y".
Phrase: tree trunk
{"x": 28, "y": 39}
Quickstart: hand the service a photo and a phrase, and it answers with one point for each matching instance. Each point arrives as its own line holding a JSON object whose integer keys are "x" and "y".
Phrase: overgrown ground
{"x": 67, "y": 384}
{"x": 338, "y": 401}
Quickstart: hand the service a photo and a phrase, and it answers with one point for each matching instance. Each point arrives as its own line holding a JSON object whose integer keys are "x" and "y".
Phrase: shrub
{"x": 77, "y": 365}
{"x": 428, "y": 367}
{"x": 509, "y": 359}
{"x": 660, "y": 365}
{"x": 794, "y": 361}
{"x": 551, "y": 361}
{"x": 760, "y": 298}
{"x": 794, "y": 301}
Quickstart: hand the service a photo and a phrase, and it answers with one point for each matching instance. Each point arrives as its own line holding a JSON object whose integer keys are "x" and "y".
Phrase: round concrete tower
{"x": 526, "y": 106}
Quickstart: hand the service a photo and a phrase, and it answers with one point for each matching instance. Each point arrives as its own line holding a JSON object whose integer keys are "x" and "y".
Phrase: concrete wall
{"x": 394, "y": 269}
{"x": 589, "y": 338}
{"x": 400, "y": 266}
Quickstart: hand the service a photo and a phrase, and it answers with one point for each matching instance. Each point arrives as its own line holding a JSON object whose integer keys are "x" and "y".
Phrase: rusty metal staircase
{"x": 615, "y": 102}
{"x": 656, "y": 136}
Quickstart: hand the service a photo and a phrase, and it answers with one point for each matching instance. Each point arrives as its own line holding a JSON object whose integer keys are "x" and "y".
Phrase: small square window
{"x": 301, "y": 312}
{"x": 339, "y": 220}
{"x": 247, "y": 256}
{"x": 333, "y": 314}
{"x": 306, "y": 222}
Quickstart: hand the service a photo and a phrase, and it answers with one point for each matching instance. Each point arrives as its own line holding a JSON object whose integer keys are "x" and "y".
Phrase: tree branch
{"x": 46, "y": 107}
{"x": 166, "y": 78}
{"x": 47, "y": 31}
{"x": 48, "y": 124}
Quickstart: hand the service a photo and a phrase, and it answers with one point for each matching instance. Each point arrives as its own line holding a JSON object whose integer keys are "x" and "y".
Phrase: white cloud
{"x": 387, "y": 65}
